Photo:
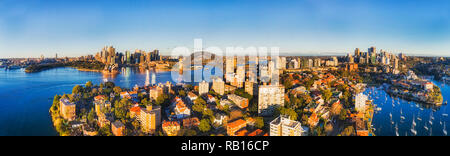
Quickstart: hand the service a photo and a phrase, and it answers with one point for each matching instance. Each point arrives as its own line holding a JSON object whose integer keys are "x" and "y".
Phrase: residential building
{"x": 235, "y": 126}
{"x": 191, "y": 122}
{"x": 283, "y": 126}
{"x": 250, "y": 87}
{"x": 219, "y": 86}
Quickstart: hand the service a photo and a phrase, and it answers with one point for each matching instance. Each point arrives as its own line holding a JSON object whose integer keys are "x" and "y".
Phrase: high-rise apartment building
{"x": 67, "y": 109}
{"x": 218, "y": 86}
{"x": 360, "y": 102}
{"x": 283, "y": 126}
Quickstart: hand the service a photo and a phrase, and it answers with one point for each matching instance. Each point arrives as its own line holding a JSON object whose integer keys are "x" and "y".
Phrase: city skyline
{"x": 75, "y": 28}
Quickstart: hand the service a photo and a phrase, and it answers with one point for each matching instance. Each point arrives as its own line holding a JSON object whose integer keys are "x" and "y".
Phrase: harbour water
{"x": 430, "y": 120}
{"x": 26, "y": 98}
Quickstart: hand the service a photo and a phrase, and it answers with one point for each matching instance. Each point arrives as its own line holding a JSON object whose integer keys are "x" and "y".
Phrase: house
{"x": 220, "y": 119}
{"x": 239, "y": 101}
{"x": 135, "y": 111}
{"x": 191, "y": 122}
{"x": 118, "y": 128}
{"x": 210, "y": 99}
{"x": 191, "y": 97}
{"x": 180, "y": 109}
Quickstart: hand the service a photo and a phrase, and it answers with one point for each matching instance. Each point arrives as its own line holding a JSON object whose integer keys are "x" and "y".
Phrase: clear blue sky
{"x": 29, "y": 28}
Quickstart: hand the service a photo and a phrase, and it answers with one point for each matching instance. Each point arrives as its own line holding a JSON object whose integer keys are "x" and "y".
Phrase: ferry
{"x": 444, "y": 130}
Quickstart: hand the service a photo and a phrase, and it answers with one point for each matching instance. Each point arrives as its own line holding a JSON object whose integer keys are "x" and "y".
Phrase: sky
{"x": 31, "y": 28}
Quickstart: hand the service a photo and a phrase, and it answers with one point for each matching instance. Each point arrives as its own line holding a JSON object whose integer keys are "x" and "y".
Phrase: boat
{"x": 419, "y": 119}
{"x": 413, "y": 130}
{"x": 396, "y": 130}
{"x": 390, "y": 115}
{"x": 445, "y": 115}
{"x": 444, "y": 130}
{"x": 426, "y": 128}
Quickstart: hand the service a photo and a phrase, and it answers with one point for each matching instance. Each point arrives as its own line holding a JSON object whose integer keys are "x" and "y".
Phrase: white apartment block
{"x": 268, "y": 97}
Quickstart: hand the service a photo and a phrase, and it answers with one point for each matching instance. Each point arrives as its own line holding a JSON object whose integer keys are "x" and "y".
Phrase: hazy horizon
{"x": 31, "y": 28}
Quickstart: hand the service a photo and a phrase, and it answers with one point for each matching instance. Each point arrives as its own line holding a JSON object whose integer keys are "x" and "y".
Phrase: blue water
{"x": 410, "y": 110}
{"x": 26, "y": 98}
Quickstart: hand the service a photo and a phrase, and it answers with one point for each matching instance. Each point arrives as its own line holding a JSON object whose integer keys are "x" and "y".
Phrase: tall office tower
{"x": 357, "y": 52}
{"x": 128, "y": 57}
{"x": 310, "y": 63}
{"x": 203, "y": 88}
{"x": 240, "y": 73}
{"x": 317, "y": 62}
{"x": 218, "y": 86}
{"x": 335, "y": 61}
{"x": 270, "y": 97}
{"x": 280, "y": 62}
{"x": 229, "y": 64}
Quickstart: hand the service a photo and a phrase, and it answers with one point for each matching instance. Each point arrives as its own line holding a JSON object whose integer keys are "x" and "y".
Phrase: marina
{"x": 399, "y": 117}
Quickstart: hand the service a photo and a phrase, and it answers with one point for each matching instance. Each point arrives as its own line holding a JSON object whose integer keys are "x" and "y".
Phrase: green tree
{"x": 204, "y": 125}
{"x": 117, "y": 90}
{"x": 91, "y": 116}
{"x": 199, "y": 105}
{"x": 110, "y": 85}
{"x": 77, "y": 89}
{"x": 88, "y": 85}
{"x": 259, "y": 122}
{"x": 326, "y": 94}
{"x": 182, "y": 93}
